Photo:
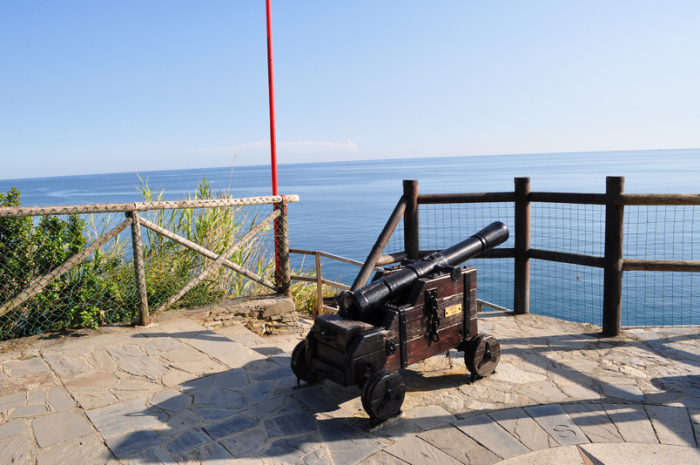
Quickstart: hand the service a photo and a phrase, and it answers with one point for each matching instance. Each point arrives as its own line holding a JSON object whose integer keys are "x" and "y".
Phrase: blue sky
{"x": 95, "y": 87}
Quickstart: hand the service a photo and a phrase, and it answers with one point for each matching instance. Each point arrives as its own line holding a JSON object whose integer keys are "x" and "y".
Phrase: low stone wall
{"x": 264, "y": 314}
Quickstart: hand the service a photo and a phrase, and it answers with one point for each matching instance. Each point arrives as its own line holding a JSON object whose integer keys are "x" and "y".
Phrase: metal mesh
{"x": 569, "y": 292}
{"x": 663, "y": 232}
{"x": 571, "y": 228}
{"x": 49, "y": 281}
{"x": 443, "y": 225}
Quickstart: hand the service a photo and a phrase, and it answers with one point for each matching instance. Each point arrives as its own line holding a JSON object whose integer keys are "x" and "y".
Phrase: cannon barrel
{"x": 360, "y": 303}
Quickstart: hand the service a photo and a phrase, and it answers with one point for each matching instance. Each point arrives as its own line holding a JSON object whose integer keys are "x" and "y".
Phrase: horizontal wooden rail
{"x": 391, "y": 258}
{"x": 480, "y": 304}
{"x": 567, "y": 197}
{"x": 10, "y": 212}
{"x": 658, "y": 199}
{"x": 327, "y": 282}
{"x": 661, "y": 265}
{"x": 424, "y": 199}
{"x": 565, "y": 257}
{"x": 338, "y": 258}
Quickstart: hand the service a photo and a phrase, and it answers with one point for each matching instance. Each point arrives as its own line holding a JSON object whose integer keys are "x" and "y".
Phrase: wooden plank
{"x": 482, "y": 197}
{"x": 612, "y": 275}
{"x": 565, "y": 257}
{"x": 661, "y": 265}
{"x": 658, "y": 199}
{"x": 391, "y": 258}
{"x": 376, "y": 253}
{"x": 521, "y": 281}
{"x": 411, "y": 232}
{"x": 567, "y": 197}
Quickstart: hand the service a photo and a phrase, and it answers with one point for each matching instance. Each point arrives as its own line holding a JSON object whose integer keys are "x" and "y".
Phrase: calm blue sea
{"x": 344, "y": 205}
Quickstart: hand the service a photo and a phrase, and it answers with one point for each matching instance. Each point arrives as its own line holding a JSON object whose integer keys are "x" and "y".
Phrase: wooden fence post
{"x": 319, "y": 285}
{"x": 284, "y": 271}
{"x": 411, "y": 238}
{"x": 521, "y": 293}
{"x": 139, "y": 269}
{"x": 612, "y": 277}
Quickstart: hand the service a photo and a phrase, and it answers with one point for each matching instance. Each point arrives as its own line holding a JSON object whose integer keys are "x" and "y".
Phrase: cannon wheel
{"x": 482, "y": 355}
{"x": 299, "y": 365}
{"x": 382, "y": 396}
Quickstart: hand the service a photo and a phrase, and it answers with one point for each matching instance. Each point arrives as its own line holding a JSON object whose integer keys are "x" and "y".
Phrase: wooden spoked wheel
{"x": 300, "y": 367}
{"x": 382, "y": 396}
{"x": 482, "y": 355}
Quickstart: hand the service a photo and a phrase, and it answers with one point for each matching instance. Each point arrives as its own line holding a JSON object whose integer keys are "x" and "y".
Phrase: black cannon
{"x": 405, "y": 315}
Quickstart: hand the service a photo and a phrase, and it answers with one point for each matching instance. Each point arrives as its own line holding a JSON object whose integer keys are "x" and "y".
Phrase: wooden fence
{"x": 612, "y": 262}
{"x": 135, "y": 222}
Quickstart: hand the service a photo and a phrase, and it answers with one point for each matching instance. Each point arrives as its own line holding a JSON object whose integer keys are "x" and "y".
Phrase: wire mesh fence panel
{"x": 52, "y": 278}
{"x": 444, "y": 225}
{"x": 661, "y": 232}
{"x": 494, "y": 278}
{"x": 660, "y": 299}
{"x": 569, "y": 292}
{"x": 396, "y": 241}
{"x": 43, "y": 289}
{"x": 570, "y": 228}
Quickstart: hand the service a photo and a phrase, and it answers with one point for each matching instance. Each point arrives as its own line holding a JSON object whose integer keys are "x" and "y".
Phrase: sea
{"x": 344, "y": 205}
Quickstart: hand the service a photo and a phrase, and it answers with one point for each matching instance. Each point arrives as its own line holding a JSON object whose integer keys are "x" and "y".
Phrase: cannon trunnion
{"x": 434, "y": 313}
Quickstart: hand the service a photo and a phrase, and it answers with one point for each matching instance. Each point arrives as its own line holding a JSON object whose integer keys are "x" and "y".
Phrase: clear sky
{"x": 97, "y": 86}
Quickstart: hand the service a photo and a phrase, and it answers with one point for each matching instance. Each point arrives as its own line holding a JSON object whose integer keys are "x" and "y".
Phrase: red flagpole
{"x": 271, "y": 87}
{"x": 279, "y": 278}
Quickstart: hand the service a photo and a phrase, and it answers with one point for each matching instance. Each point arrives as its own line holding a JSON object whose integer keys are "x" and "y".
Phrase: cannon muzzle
{"x": 360, "y": 303}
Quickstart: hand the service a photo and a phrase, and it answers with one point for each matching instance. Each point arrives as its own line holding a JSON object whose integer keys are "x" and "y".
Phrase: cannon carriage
{"x": 405, "y": 315}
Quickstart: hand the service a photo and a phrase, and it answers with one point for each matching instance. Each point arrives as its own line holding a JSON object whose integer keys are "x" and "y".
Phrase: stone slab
{"x": 459, "y": 446}
{"x": 491, "y": 435}
{"x": 59, "y": 399}
{"x": 345, "y": 444}
{"x": 632, "y": 423}
{"x": 171, "y": 400}
{"x": 59, "y": 427}
{"x": 523, "y": 428}
{"x": 127, "y": 444}
{"x": 594, "y": 421}
{"x": 29, "y": 411}
{"x": 418, "y": 452}
{"x": 555, "y": 421}
{"x": 643, "y": 454}
{"x": 17, "y": 368}
{"x": 64, "y": 366}
{"x": 382, "y": 458}
{"x": 188, "y": 441}
{"x": 291, "y": 450}
{"x": 230, "y": 426}
{"x": 292, "y": 423}
{"x": 82, "y": 451}
{"x": 672, "y": 425}
{"x": 558, "y": 456}
{"x": 15, "y": 449}
{"x": 11, "y": 428}
{"x": 430, "y": 416}
{"x": 121, "y": 418}
{"x": 248, "y": 443}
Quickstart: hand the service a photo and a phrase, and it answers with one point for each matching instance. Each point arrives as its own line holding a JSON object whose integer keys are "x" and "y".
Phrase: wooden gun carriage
{"x": 405, "y": 315}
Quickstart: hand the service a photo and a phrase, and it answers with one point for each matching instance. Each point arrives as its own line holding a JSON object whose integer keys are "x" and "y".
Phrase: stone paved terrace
{"x": 175, "y": 392}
